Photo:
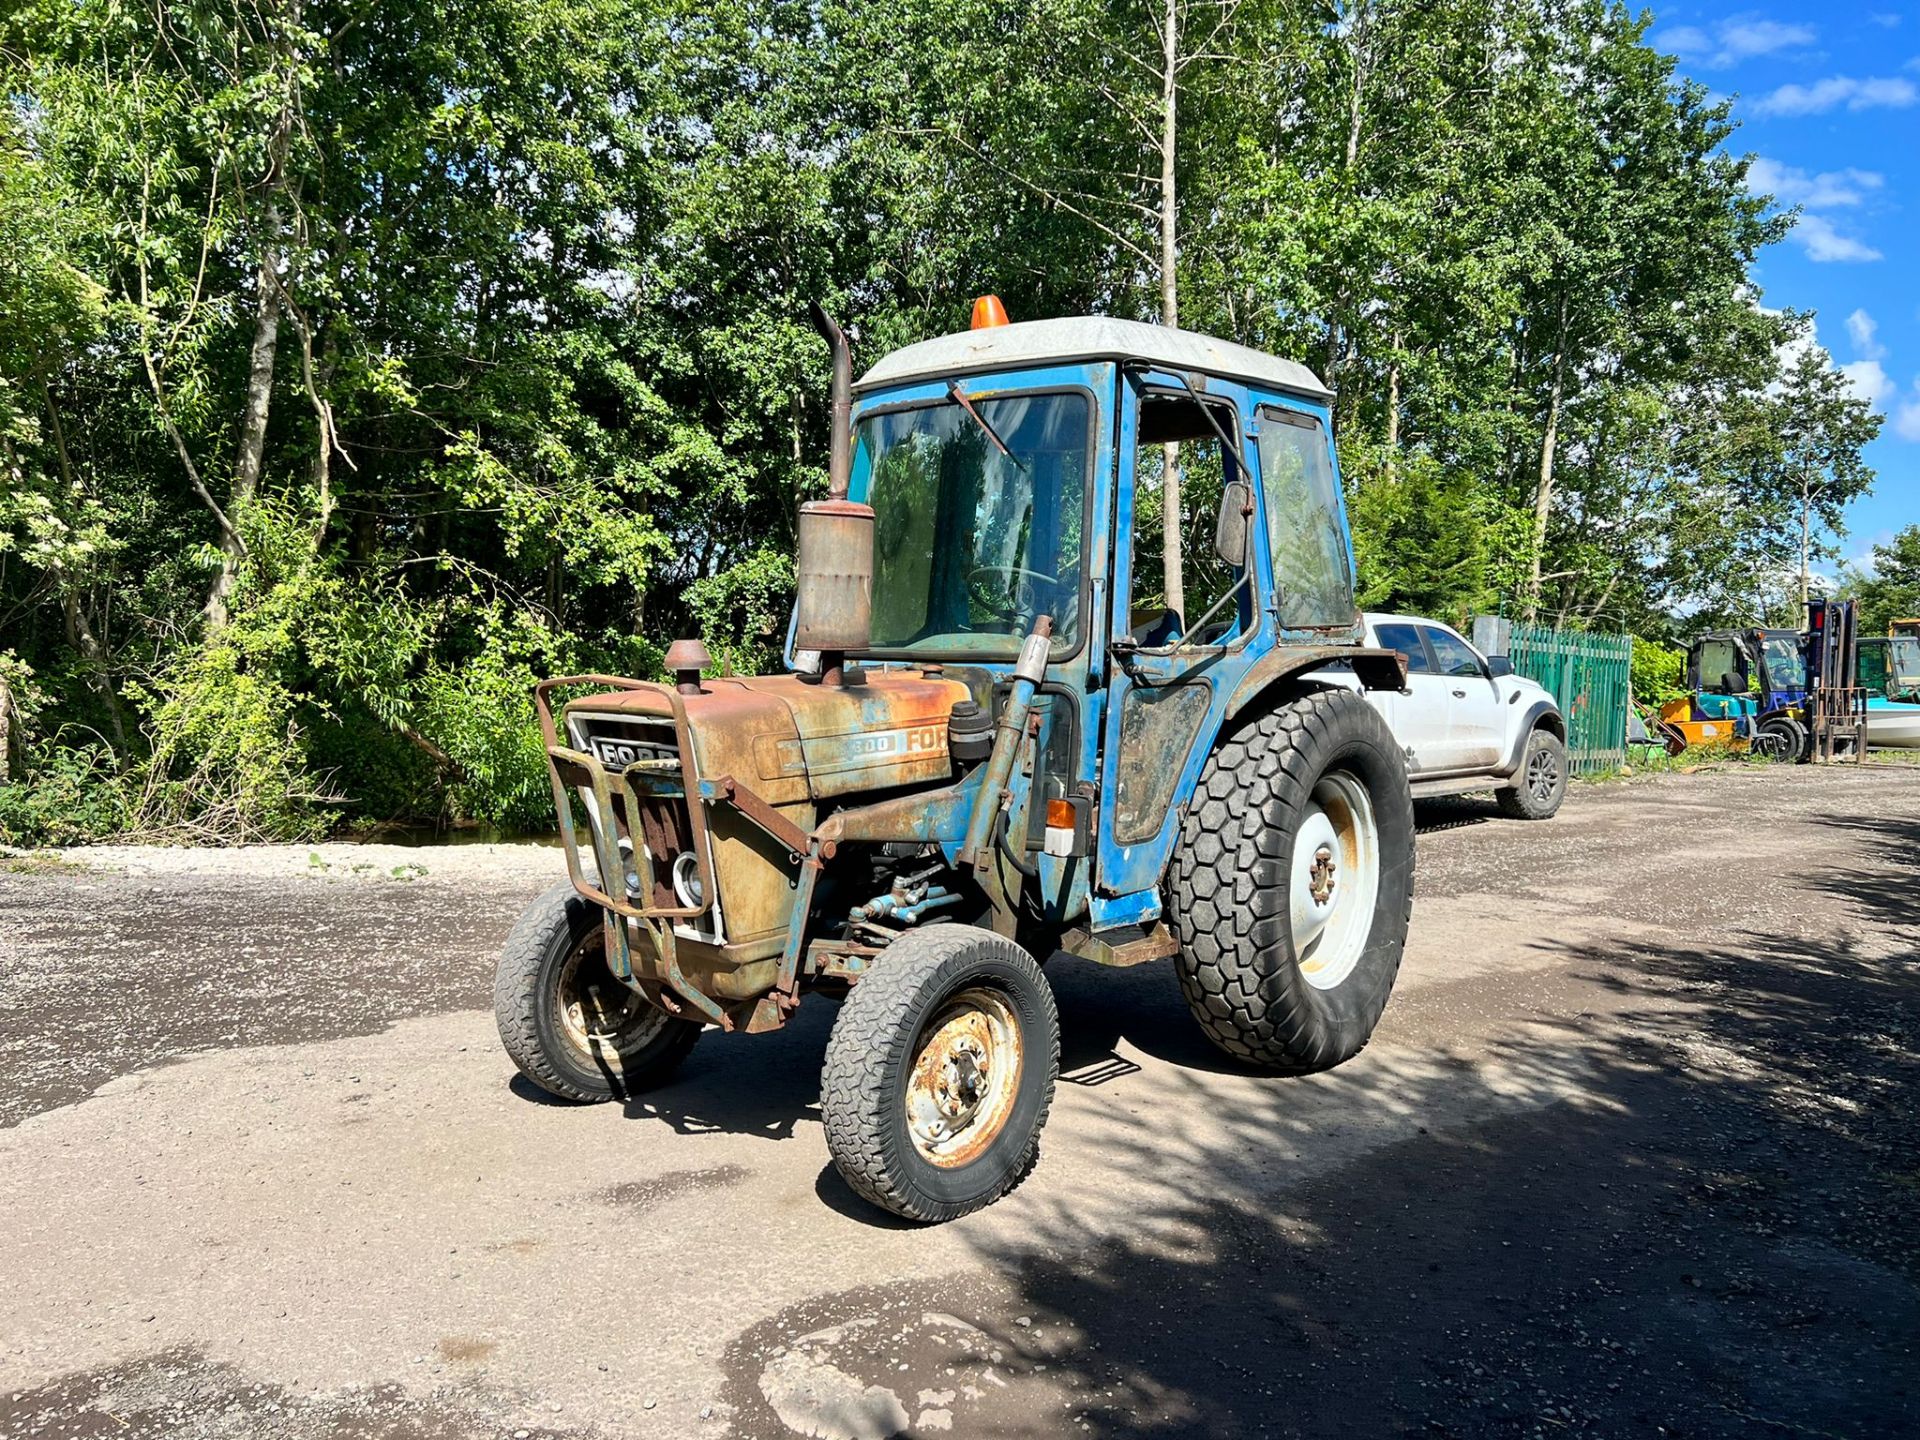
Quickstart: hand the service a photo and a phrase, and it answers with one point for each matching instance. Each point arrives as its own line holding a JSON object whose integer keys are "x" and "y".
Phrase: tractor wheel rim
{"x": 1543, "y": 774}
{"x": 1335, "y": 880}
{"x": 965, "y": 1076}
{"x": 602, "y": 1018}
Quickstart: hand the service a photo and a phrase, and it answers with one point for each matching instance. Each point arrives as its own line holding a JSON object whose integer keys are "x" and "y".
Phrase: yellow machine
{"x": 1683, "y": 727}
{"x": 1904, "y": 627}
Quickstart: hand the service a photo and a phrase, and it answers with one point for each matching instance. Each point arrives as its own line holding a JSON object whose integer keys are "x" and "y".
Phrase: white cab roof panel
{"x": 1033, "y": 343}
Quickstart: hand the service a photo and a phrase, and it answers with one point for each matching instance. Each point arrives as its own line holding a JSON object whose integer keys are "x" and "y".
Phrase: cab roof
{"x": 1032, "y": 343}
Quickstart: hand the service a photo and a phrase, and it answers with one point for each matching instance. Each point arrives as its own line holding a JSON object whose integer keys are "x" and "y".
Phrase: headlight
{"x": 686, "y": 880}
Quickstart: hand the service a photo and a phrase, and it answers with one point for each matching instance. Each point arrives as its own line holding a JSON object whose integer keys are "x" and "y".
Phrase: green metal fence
{"x": 1590, "y": 674}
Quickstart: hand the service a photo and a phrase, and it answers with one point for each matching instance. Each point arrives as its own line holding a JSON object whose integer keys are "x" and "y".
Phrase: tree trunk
{"x": 1543, "y": 489}
{"x": 1393, "y": 412}
{"x": 1170, "y": 528}
{"x": 1806, "y": 544}
{"x": 6, "y": 729}
{"x": 253, "y": 417}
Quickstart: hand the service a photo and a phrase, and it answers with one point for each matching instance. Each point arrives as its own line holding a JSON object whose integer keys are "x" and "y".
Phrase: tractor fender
{"x": 1271, "y": 673}
{"x": 1538, "y": 712}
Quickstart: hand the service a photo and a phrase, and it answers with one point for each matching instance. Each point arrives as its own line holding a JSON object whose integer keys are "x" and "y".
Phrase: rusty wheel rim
{"x": 600, "y": 1016}
{"x": 967, "y": 1063}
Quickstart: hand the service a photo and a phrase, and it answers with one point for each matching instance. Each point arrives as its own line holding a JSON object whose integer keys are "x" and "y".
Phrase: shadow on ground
{"x": 1685, "y": 1210}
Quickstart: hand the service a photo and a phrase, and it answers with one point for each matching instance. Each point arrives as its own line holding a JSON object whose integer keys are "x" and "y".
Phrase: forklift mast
{"x": 1836, "y": 704}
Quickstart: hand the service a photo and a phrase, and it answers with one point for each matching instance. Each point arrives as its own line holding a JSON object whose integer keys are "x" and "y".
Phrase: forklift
{"x": 1747, "y": 688}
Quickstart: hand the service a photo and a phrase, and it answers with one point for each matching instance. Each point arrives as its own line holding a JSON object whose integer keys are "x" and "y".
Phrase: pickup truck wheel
{"x": 1541, "y": 782}
{"x": 1292, "y": 884}
{"x": 939, "y": 1073}
{"x": 572, "y": 1028}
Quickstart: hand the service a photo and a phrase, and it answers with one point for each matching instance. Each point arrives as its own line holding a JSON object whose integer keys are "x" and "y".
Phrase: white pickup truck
{"x": 1467, "y": 722}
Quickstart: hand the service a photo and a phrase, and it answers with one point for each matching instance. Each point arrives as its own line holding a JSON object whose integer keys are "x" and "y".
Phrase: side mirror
{"x": 1230, "y": 527}
{"x": 1499, "y": 665}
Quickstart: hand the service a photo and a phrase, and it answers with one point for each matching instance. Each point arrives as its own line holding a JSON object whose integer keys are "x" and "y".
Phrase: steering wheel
{"x": 1024, "y": 595}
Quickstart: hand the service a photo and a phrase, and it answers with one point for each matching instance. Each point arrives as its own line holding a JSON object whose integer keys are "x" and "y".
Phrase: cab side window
{"x": 1310, "y": 565}
{"x": 1453, "y": 654}
{"x": 1177, "y": 576}
{"x": 1406, "y": 639}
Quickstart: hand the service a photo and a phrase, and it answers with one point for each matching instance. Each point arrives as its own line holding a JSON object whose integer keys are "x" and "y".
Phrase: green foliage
{"x": 742, "y": 612}
{"x": 1659, "y": 672}
{"x": 353, "y": 375}
{"x": 1421, "y": 539}
{"x": 68, "y": 795}
{"x": 1891, "y": 590}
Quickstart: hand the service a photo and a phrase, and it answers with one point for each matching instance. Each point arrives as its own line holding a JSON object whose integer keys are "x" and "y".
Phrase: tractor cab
{"x": 1721, "y": 670}
{"x": 1169, "y": 500}
{"x": 1889, "y": 668}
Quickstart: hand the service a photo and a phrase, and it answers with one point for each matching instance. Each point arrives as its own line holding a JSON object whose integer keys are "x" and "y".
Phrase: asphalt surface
{"x": 1635, "y": 1151}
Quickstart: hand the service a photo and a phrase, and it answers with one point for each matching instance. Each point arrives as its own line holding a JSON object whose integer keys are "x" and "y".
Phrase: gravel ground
{"x": 1632, "y": 1153}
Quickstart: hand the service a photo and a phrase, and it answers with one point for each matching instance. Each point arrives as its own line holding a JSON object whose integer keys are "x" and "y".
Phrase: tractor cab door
{"x": 1183, "y": 619}
{"x": 1256, "y": 556}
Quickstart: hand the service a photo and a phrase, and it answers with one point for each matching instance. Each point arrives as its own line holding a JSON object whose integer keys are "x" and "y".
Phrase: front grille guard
{"x": 573, "y": 771}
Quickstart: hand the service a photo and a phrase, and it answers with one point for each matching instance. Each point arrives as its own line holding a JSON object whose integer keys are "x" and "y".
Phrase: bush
{"x": 1659, "y": 672}
{"x": 67, "y": 795}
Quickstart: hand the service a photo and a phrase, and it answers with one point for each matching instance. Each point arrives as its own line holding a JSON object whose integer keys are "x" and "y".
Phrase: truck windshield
{"x": 970, "y": 543}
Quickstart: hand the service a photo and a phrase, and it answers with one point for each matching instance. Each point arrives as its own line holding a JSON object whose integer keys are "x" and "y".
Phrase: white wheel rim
{"x": 1335, "y": 880}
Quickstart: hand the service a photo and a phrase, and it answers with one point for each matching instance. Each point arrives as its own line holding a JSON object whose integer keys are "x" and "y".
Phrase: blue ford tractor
{"x": 1046, "y": 690}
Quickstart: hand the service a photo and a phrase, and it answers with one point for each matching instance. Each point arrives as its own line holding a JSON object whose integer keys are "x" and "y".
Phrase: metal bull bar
{"x": 574, "y": 770}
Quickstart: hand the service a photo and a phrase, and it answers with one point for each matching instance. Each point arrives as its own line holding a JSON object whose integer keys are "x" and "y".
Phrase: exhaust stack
{"x": 834, "y": 567}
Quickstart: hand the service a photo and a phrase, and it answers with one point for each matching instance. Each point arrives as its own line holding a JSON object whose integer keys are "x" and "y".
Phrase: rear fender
{"x": 1271, "y": 679}
{"x": 1541, "y": 714}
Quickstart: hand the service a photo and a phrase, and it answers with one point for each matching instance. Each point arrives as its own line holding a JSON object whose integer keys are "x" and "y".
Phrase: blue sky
{"x": 1828, "y": 99}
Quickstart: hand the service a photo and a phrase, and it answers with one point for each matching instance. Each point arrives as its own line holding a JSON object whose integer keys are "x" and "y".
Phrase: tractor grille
{"x": 616, "y": 743}
{"x": 659, "y": 825}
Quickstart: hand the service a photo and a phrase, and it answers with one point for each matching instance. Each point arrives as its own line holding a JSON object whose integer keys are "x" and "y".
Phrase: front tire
{"x": 1541, "y": 782}
{"x": 1293, "y": 884}
{"x": 573, "y": 1028}
{"x": 1782, "y": 737}
{"x": 939, "y": 1073}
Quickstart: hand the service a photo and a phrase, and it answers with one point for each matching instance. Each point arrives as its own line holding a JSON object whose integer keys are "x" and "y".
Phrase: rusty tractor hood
{"x": 791, "y": 740}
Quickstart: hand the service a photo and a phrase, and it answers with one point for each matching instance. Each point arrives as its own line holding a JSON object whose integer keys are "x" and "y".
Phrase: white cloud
{"x": 1824, "y": 244}
{"x": 1870, "y": 381}
{"x": 1864, "y": 331}
{"x": 1884, "y": 93}
{"x": 1906, "y": 415}
{"x": 1885, "y": 19}
{"x": 1742, "y": 37}
{"x": 1830, "y": 189}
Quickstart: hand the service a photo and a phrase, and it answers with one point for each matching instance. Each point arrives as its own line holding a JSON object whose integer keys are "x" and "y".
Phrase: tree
{"x": 1823, "y": 426}
{"x": 1890, "y": 589}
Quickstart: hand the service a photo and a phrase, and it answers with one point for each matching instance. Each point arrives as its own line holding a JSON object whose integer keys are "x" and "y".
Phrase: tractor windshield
{"x": 979, "y": 512}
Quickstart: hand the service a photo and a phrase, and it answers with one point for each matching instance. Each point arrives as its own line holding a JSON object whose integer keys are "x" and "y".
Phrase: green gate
{"x": 1590, "y": 674}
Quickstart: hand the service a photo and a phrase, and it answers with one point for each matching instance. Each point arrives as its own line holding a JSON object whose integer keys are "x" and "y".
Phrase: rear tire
{"x": 1541, "y": 782}
{"x": 572, "y": 1028}
{"x": 1278, "y": 973}
{"x": 939, "y": 1073}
